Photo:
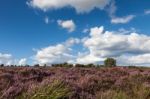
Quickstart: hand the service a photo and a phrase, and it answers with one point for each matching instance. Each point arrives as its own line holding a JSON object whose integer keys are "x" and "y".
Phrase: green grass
{"x": 55, "y": 90}
{"x": 111, "y": 94}
{"x": 138, "y": 92}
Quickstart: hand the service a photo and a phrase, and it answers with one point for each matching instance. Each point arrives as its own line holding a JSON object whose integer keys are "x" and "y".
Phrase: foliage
{"x": 2, "y": 65}
{"x": 36, "y": 65}
{"x": 55, "y": 90}
{"x": 62, "y": 65}
{"x": 110, "y": 62}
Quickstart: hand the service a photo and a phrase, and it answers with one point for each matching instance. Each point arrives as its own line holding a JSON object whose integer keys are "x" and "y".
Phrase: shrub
{"x": 45, "y": 65}
{"x": 36, "y": 65}
{"x": 79, "y": 65}
{"x": 62, "y": 65}
{"x": 55, "y": 90}
{"x": 2, "y": 65}
{"x": 27, "y": 65}
{"x": 110, "y": 62}
{"x": 90, "y": 65}
{"x": 67, "y": 65}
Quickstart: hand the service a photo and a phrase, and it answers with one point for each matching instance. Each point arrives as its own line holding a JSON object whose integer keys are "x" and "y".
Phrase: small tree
{"x": 45, "y": 65}
{"x": 36, "y": 65}
{"x": 2, "y": 65}
{"x": 110, "y": 62}
{"x": 90, "y": 65}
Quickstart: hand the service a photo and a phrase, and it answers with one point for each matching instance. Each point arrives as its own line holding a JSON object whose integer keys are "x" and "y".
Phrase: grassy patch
{"x": 55, "y": 90}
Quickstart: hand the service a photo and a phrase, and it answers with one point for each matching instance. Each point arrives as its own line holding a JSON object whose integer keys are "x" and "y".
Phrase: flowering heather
{"x": 74, "y": 83}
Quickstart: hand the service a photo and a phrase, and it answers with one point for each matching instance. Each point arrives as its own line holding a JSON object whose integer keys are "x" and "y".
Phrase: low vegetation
{"x": 74, "y": 82}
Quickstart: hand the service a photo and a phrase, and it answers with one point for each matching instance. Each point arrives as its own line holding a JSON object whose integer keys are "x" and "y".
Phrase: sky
{"x": 74, "y": 31}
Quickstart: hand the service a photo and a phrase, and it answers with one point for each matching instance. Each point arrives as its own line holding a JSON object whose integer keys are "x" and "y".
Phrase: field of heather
{"x": 74, "y": 83}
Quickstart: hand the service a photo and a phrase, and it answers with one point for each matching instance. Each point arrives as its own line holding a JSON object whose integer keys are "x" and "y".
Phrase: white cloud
{"x": 102, "y": 44}
{"x": 138, "y": 60}
{"x": 122, "y": 20}
{"x": 127, "y": 46}
{"x": 46, "y": 19}
{"x": 5, "y": 59}
{"x": 125, "y": 31}
{"x": 115, "y": 19}
{"x": 87, "y": 59}
{"x": 59, "y": 53}
{"x": 85, "y": 30}
{"x": 112, "y": 9}
{"x": 147, "y": 12}
{"x": 22, "y": 61}
{"x": 67, "y": 24}
{"x": 8, "y": 59}
{"x": 81, "y": 6}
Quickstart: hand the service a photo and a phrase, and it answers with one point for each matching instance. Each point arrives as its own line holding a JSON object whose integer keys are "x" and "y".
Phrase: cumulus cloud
{"x": 81, "y": 6}
{"x": 8, "y": 59}
{"x": 59, "y": 53}
{"x": 102, "y": 44}
{"x": 5, "y": 59}
{"x": 128, "y": 48}
{"x": 22, "y": 61}
{"x": 88, "y": 58}
{"x": 147, "y": 12}
{"x": 67, "y": 24}
{"x": 122, "y": 20}
{"x": 138, "y": 60}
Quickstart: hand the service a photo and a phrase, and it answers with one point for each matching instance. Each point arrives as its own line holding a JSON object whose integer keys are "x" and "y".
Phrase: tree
{"x": 45, "y": 65}
{"x": 110, "y": 62}
{"x": 36, "y": 65}
{"x": 90, "y": 65}
{"x": 62, "y": 65}
{"x": 2, "y": 65}
{"x": 79, "y": 65}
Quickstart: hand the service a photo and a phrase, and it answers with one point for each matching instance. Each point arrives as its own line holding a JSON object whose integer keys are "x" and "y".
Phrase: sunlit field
{"x": 74, "y": 83}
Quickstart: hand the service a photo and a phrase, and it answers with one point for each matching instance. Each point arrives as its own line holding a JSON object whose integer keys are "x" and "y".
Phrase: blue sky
{"x": 30, "y": 30}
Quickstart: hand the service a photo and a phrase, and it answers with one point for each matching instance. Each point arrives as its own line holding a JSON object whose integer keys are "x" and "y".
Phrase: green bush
{"x": 62, "y": 65}
{"x": 2, "y": 65}
{"x": 55, "y": 90}
{"x": 110, "y": 62}
{"x": 36, "y": 65}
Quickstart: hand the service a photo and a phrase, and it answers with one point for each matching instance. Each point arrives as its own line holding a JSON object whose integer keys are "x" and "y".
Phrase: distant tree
{"x": 110, "y": 62}
{"x": 79, "y": 65}
{"x": 36, "y": 65}
{"x": 45, "y": 65}
{"x": 66, "y": 65}
{"x": 52, "y": 65}
{"x": 12, "y": 66}
{"x": 2, "y": 65}
{"x": 62, "y": 65}
{"x": 90, "y": 65}
{"x": 27, "y": 65}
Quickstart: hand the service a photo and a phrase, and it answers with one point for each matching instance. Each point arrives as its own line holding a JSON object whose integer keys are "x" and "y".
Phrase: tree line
{"x": 109, "y": 62}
